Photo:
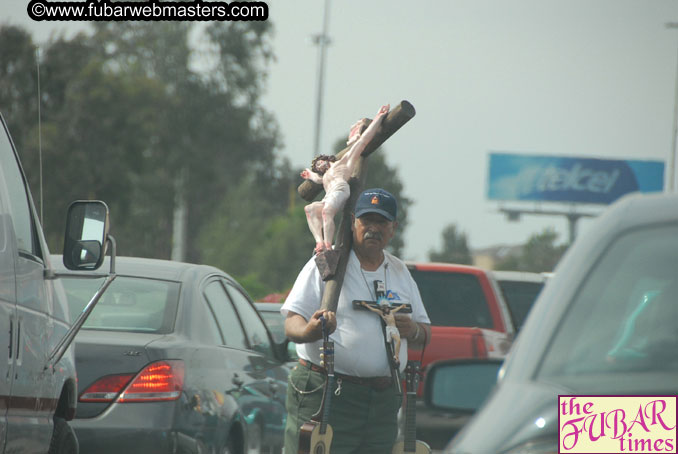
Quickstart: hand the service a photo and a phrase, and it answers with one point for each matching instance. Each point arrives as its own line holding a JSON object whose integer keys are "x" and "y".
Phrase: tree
{"x": 260, "y": 239}
{"x": 126, "y": 114}
{"x": 455, "y": 248}
{"x": 539, "y": 254}
{"x": 18, "y": 82}
{"x": 216, "y": 131}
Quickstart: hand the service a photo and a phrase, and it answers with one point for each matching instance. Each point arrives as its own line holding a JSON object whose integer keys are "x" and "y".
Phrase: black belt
{"x": 377, "y": 383}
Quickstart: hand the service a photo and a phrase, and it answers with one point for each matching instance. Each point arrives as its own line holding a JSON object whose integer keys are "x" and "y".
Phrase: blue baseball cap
{"x": 376, "y": 200}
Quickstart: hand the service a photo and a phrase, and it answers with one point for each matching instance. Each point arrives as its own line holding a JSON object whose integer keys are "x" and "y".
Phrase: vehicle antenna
{"x": 37, "y": 64}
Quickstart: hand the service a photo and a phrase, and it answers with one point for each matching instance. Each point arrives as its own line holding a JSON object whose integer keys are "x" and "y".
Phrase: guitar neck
{"x": 327, "y": 400}
{"x": 410, "y": 441}
{"x": 328, "y": 359}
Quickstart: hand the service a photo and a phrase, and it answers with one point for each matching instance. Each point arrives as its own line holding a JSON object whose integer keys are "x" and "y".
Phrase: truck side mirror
{"x": 86, "y": 235}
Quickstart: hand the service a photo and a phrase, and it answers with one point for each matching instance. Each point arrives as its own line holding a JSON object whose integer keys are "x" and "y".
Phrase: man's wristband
{"x": 416, "y": 333}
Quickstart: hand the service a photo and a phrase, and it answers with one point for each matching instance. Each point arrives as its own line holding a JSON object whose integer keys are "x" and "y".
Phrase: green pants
{"x": 363, "y": 419}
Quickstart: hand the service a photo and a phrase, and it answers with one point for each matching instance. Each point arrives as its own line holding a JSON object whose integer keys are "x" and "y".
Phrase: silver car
{"x": 605, "y": 324}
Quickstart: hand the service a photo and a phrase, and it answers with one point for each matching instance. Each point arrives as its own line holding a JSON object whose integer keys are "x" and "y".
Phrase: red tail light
{"x": 106, "y": 389}
{"x": 479, "y": 346}
{"x": 162, "y": 380}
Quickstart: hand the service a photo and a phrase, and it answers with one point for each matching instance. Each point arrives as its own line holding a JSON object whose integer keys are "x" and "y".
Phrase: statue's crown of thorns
{"x": 322, "y": 157}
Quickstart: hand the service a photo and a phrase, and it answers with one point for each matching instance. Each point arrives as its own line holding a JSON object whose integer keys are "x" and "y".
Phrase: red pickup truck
{"x": 469, "y": 320}
{"x": 469, "y": 317}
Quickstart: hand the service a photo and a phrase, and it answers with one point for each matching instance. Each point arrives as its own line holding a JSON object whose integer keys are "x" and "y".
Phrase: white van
{"x": 38, "y": 385}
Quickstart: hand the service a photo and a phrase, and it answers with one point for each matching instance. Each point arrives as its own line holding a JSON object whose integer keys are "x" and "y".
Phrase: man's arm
{"x": 368, "y": 307}
{"x": 418, "y": 335}
{"x": 396, "y": 309}
{"x": 300, "y": 331}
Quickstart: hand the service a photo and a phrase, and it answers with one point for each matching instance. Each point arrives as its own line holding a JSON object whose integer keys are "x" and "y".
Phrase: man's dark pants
{"x": 363, "y": 418}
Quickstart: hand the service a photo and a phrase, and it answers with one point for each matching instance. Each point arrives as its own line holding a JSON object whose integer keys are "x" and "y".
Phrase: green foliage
{"x": 18, "y": 81}
{"x": 257, "y": 239}
{"x": 125, "y": 114}
{"x": 455, "y": 248}
{"x": 539, "y": 254}
{"x": 287, "y": 246}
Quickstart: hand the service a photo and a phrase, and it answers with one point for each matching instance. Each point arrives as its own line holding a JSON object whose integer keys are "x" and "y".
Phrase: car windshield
{"x": 453, "y": 299}
{"x": 129, "y": 304}
{"x": 620, "y": 334}
{"x": 520, "y": 295}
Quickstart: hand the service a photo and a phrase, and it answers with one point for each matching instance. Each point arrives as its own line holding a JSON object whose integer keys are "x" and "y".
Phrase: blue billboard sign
{"x": 563, "y": 179}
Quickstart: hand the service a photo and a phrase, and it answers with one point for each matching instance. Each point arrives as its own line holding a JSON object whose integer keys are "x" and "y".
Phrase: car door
{"x": 28, "y": 428}
{"x": 251, "y": 382}
{"x": 270, "y": 377}
{"x": 7, "y": 292}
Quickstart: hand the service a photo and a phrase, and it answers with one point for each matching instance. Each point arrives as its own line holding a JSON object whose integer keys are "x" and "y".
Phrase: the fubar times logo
{"x": 617, "y": 424}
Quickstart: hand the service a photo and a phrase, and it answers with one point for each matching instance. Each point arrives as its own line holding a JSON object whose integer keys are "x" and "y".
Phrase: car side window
{"x": 212, "y": 330}
{"x": 453, "y": 299}
{"x": 227, "y": 318}
{"x": 256, "y": 330}
{"x": 18, "y": 197}
{"x": 624, "y": 316}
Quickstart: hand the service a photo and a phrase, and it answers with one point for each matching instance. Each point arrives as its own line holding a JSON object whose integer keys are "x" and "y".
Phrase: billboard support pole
{"x": 513, "y": 214}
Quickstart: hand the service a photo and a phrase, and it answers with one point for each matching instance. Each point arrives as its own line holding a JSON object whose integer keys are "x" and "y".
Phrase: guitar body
{"x": 311, "y": 441}
{"x": 419, "y": 448}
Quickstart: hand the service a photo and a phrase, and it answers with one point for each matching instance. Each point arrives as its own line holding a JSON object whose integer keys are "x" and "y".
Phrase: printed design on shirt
{"x": 392, "y": 296}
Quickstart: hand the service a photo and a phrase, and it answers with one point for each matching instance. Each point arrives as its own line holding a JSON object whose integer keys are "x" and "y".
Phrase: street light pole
{"x": 670, "y": 184}
{"x": 322, "y": 41}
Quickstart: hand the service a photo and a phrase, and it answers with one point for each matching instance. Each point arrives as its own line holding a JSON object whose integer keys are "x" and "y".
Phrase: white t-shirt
{"x": 359, "y": 348}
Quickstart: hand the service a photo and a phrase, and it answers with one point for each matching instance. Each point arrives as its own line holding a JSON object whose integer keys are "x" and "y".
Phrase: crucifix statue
{"x": 335, "y": 267}
{"x": 334, "y": 174}
{"x": 385, "y": 311}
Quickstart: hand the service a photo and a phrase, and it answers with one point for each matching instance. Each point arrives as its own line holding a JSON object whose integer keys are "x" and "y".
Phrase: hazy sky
{"x": 589, "y": 78}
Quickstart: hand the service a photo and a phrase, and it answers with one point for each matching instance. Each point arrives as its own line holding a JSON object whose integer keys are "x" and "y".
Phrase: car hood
{"x": 533, "y": 416}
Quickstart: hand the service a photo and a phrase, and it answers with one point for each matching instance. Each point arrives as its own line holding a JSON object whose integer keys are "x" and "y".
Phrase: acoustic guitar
{"x": 410, "y": 444}
{"x": 315, "y": 436}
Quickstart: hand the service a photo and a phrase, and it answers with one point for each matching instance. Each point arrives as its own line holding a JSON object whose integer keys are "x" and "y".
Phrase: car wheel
{"x": 254, "y": 436}
{"x": 230, "y": 447}
{"x": 64, "y": 440}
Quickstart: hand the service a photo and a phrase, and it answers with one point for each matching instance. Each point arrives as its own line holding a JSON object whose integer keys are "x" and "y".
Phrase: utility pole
{"x": 322, "y": 40}
{"x": 670, "y": 183}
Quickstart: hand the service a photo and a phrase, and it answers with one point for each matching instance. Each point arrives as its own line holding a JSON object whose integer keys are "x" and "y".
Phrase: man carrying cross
{"x": 365, "y": 402}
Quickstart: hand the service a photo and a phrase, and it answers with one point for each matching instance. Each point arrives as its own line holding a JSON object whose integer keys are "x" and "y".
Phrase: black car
{"x": 175, "y": 358}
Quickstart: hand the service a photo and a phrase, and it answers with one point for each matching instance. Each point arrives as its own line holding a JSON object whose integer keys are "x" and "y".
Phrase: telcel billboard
{"x": 560, "y": 179}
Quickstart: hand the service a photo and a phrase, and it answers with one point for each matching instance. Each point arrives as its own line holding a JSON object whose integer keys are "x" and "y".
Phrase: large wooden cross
{"x": 308, "y": 190}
